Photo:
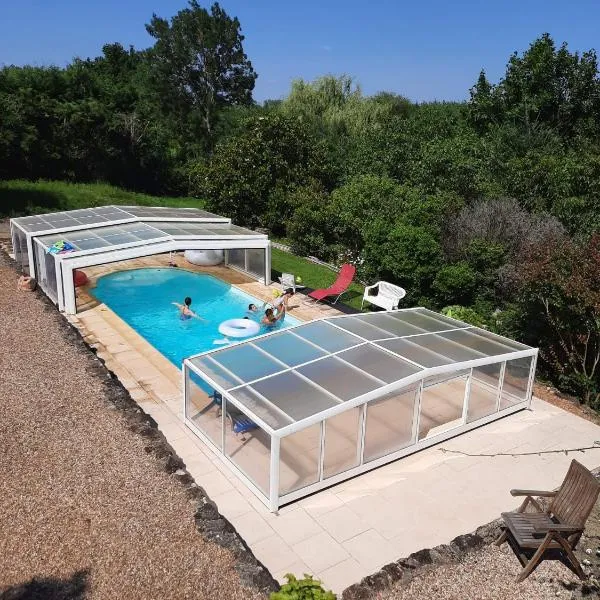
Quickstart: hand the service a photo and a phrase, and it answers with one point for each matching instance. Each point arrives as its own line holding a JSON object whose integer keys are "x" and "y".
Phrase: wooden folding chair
{"x": 535, "y": 533}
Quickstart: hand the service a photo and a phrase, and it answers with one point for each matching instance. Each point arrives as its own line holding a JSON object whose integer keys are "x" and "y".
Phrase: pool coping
{"x": 211, "y": 524}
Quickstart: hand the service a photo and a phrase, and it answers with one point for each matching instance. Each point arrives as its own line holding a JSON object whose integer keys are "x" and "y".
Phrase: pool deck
{"x": 354, "y": 528}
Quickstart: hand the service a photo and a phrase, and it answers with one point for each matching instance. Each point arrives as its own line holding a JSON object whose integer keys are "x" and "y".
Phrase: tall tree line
{"x": 130, "y": 117}
{"x": 488, "y": 209}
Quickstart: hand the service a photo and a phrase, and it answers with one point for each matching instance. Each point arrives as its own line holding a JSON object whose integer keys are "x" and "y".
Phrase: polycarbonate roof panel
{"x": 263, "y": 409}
{"x": 202, "y": 229}
{"x": 289, "y": 348}
{"x": 72, "y": 218}
{"x": 219, "y": 375}
{"x": 296, "y": 374}
{"x": 406, "y": 348}
{"x": 363, "y": 328}
{"x": 246, "y": 362}
{"x": 105, "y": 237}
{"x": 151, "y": 212}
{"x": 426, "y": 320}
{"x": 327, "y": 336}
{"x": 293, "y": 395}
{"x": 379, "y": 363}
{"x": 339, "y": 378}
{"x": 482, "y": 342}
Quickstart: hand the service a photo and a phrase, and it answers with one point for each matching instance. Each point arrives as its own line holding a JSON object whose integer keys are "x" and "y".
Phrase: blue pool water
{"x": 143, "y": 299}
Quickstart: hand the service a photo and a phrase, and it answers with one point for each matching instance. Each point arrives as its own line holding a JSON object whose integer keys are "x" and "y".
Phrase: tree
{"x": 545, "y": 87}
{"x": 560, "y": 301}
{"x": 199, "y": 64}
{"x": 272, "y": 155}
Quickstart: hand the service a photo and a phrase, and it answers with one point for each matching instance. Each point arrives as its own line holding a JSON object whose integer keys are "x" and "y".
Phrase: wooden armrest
{"x": 532, "y": 493}
{"x": 559, "y": 527}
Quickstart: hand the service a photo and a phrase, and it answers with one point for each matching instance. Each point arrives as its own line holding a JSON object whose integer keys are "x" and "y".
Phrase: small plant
{"x": 302, "y": 589}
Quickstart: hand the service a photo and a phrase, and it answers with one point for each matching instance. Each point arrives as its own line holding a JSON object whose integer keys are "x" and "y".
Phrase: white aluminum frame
{"x": 14, "y": 223}
{"x": 66, "y": 263}
{"x": 274, "y": 500}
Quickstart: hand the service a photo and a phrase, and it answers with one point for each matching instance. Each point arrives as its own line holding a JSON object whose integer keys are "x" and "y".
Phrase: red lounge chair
{"x": 345, "y": 277}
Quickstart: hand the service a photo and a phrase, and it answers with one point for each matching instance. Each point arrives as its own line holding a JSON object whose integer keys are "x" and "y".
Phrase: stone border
{"x": 210, "y": 523}
{"x": 405, "y": 569}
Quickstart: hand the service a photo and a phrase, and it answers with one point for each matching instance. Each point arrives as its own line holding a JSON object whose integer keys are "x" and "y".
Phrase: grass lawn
{"x": 19, "y": 197}
{"x": 313, "y": 276}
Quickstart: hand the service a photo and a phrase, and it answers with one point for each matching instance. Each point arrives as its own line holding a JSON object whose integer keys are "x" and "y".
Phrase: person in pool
{"x": 252, "y": 308}
{"x": 282, "y": 301}
{"x": 185, "y": 312}
{"x": 270, "y": 319}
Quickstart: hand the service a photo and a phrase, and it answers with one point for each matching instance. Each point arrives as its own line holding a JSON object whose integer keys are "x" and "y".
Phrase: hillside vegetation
{"x": 20, "y": 197}
{"x": 488, "y": 208}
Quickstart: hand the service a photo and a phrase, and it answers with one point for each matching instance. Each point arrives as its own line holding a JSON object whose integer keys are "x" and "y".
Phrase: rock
{"x": 181, "y": 472}
{"x": 586, "y": 562}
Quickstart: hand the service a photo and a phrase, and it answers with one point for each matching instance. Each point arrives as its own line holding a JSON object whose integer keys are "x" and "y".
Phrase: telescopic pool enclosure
{"x": 112, "y": 233}
{"x": 327, "y": 400}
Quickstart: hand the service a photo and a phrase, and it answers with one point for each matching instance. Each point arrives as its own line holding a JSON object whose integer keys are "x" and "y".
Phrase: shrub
{"x": 560, "y": 303}
{"x": 455, "y": 283}
{"x": 302, "y": 589}
{"x": 408, "y": 255}
{"x": 468, "y": 315}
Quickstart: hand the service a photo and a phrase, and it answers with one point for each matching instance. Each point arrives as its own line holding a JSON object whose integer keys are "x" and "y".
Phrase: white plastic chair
{"x": 388, "y": 295}
{"x": 288, "y": 280}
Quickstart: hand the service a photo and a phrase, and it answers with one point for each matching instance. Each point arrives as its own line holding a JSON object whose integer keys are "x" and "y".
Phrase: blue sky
{"x": 424, "y": 50}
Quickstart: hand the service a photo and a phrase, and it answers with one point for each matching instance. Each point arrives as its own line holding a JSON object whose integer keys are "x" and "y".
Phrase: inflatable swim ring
{"x": 239, "y": 328}
{"x": 204, "y": 258}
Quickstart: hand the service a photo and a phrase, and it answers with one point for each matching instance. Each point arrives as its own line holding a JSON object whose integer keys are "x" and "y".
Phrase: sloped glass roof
{"x": 105, "y": 215}
{"x": 113, "y": 236}
{"x": 289, "y": 376}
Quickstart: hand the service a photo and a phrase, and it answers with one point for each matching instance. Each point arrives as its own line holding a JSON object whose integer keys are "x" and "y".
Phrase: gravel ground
{"x": 487, "y": 574}
{"x": 85, "y": 510}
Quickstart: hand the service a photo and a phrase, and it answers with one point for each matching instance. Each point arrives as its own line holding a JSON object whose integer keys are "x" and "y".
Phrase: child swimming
{"x": 185, "y": 312}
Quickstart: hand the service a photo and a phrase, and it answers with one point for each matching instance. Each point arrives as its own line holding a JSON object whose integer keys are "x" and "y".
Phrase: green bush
{"x": 455, "y": 283}
{"x": 466, "y": 314}
{"x": 302, "y": 589}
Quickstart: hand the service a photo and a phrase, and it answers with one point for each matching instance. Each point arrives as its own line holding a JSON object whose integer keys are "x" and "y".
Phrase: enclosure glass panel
{"x": 246, "y": 362}
{"x": 390, "y": 423}
{"x": 516, "y": 381}
{"x": 483, "y": 394}
{"x": 216, "y": 372}
{"x": 413, "y": 352}
{"x": 51, "y": 286}
{"x": 294, "y": 396}
{"x": 379, "y": 363}
{"x": 203, "y": 408}
{"x": 237, "y": 258}
{"x": 339, "y": 378}
{"x": 441, "y": 405}
{"x": 437, "y": 343}
{"x": 262, "y": 408}
{"x": 299, "y": 459}
{"x": 363, "y": 327}
{"x": 425, "y": 320}
{"x": 92, "y": 244}
{"x": 327, "y": 337}
{"x": 288, "y": 348}
{"x": 341, "y": 442}
{"x": 248, "y": 447}
{"x": 40, "y": 266}
{"x": 471, "y": 338}
{"x": 256, "y": 261}
{"x": 390, "y": 324}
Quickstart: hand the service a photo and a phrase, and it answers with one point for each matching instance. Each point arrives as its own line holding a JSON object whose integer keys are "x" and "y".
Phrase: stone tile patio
{"x": 354, "y": 528}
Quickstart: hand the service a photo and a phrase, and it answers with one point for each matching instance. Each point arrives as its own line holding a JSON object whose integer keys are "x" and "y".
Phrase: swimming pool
{"x": 143, "y": 299}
